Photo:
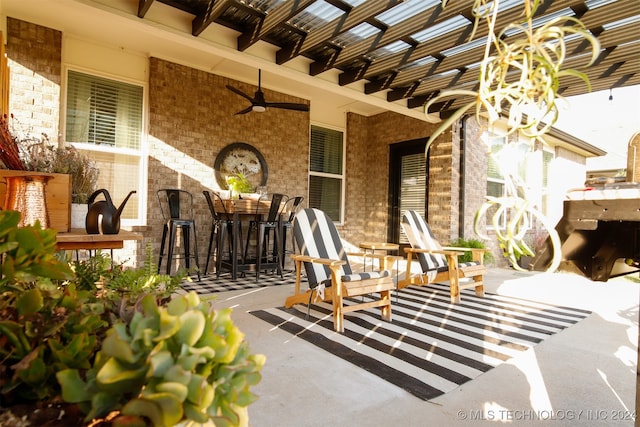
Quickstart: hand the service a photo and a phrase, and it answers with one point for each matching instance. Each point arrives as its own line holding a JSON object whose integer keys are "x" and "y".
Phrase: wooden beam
{"x": 143, "y": 7}
{"x": 340, "y": 25}
{"x": 273, "y": 19}
{"x": 214, "y": 9}
{"x": 419, "y": 22}
{"x": 401, "y": 92}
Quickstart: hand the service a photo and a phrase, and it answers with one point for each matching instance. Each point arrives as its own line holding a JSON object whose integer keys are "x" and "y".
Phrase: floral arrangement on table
{"x": 21, "y": 150}
{"x": 238, "y": 184}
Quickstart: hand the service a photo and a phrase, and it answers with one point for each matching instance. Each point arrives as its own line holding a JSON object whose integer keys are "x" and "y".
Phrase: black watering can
{"x": 110, "y": 222}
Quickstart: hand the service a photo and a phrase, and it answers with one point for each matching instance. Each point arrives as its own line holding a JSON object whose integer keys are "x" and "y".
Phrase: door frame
{"x": 396, "y": 152}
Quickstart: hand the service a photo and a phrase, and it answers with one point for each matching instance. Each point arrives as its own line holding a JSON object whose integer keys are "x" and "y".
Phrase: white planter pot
{"x": 78, "y": 215}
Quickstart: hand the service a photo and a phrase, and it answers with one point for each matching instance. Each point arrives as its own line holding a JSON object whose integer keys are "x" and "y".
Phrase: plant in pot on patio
{"x": 77, "y": 351}
{"x": 20, "y": 150}
{"x": 468, "y": 255}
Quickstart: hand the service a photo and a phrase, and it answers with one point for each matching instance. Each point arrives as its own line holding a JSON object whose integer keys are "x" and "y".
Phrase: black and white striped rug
{"x": 431, "y": 346}
{"x": 209, "y": 284}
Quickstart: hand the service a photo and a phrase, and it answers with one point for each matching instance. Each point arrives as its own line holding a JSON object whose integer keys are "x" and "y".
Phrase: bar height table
{"x": 241, "y": 209}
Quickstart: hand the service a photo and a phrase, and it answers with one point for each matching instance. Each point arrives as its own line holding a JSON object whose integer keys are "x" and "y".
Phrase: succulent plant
{"x": 106, "y": 339}
{"x": 43, "y": 328}
{"x": 169, "y": 364}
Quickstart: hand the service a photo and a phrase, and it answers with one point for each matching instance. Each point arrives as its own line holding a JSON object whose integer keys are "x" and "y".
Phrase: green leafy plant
{"x": 113, "y": 341}
{"x": 471, "y": 243}
{"x": 43, "y": 328}
{"x": 182, "y": 362}
{"x": 238, "y": 183}
{"x": 28, "y": 253}
{"x": 518, "y": 83}
{"x": 122, "y": 288}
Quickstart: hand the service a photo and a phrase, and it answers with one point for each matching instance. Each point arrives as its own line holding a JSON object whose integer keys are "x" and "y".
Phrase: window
{"x": 528, "y": 168}
{"x": 495, "y": 179}
{"x": 104, "y": 119}
{"x": 326, "y": 176}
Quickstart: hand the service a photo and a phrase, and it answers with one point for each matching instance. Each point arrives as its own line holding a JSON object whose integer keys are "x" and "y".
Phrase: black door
{"x": 408, "y": 172}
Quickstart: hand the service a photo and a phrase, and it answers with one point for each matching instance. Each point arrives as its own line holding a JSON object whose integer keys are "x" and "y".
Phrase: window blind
{"x": 413, "y": 182}
{"x": 103, "y": 111}
{"x": 326, "y": 171}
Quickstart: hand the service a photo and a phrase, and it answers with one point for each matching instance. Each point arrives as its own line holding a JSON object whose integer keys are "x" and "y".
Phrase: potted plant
{"x": 23, "y": 151}
{"x": 471, "y": 243}
{"x": 95, "y": 345}
{"x": 238, "y": 184}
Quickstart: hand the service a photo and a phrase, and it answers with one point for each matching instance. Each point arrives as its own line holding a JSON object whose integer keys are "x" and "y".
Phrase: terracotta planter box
{"x": 57, "y": 194}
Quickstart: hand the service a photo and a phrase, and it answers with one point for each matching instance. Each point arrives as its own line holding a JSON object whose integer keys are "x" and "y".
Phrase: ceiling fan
{"x": 259, "y": 104}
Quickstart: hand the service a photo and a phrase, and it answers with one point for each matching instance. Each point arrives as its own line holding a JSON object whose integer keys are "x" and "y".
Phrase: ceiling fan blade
{"x": 239, "y": 92}
{"x": 245, "y": 111}
{"x": 288, "y": 106}
{"x": 259, "y": 104}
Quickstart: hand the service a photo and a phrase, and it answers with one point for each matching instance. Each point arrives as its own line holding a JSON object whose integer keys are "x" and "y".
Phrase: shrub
{"x": 110, "y": 339}
{"x": 471, "y": 243}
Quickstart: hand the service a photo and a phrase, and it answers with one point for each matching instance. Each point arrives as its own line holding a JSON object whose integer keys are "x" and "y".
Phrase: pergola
{"x": 410, "y": 50}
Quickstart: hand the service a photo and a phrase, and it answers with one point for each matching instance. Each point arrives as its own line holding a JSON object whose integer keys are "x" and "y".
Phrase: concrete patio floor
{"x": 584, "y": 375}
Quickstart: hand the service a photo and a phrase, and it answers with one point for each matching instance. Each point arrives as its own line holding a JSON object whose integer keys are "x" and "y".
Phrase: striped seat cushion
{"x": 366, "y": 275}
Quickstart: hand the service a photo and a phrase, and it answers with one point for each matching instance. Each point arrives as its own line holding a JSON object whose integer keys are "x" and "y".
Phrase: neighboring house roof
{"x": 578, "y": 144}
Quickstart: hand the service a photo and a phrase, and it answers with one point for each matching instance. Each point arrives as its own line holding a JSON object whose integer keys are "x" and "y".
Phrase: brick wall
{"x": 192, "y": 117}
{"x": 34, "y": 57}
{"x": 367, "y": 172}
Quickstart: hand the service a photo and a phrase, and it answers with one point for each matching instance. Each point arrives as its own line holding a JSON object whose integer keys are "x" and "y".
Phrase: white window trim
{"x": 141, "y": 192}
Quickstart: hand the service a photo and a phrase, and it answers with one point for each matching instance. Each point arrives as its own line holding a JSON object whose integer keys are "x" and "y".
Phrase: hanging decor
{"x": 244, "y": 159}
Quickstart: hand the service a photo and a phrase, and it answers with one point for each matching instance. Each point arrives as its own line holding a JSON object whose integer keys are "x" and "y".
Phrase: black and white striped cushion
{"x": 316, "y": 236}
{"x": 420, "y": 236}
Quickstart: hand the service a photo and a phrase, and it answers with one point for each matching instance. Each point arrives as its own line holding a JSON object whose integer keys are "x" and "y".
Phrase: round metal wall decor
{"x": 240, "y": 157}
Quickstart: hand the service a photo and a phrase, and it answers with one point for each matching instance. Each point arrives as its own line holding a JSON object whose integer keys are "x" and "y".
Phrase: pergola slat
{"x": 276, "y": 17}
{"x": 340, "y": 25}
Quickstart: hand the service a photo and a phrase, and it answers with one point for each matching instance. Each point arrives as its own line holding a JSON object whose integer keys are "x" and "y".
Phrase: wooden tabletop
{"x": 245, "y": 206}
{"x": 379, "y": 246}
{"x": 79, "y": 239}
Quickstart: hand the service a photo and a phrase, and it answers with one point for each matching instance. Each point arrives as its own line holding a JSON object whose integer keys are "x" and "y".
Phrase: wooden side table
{"x": 78, "y": 239}
{"x": 378, "y": 246}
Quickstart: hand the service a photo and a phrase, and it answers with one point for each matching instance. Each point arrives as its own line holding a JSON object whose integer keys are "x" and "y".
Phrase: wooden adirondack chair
{"x": 329, "y": 273}
{"x": 439, "y": 263}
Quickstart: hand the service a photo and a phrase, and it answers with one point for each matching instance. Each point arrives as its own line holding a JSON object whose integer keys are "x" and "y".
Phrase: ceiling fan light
{"x": 259, "y": 108}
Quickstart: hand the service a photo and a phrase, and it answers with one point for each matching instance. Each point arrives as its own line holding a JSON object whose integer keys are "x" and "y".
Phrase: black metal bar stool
{"x": 289, "y": 211}
{"x": 177, "y": 210}
{"x": 221, "y": 227}
{"x": 267, "y": 249}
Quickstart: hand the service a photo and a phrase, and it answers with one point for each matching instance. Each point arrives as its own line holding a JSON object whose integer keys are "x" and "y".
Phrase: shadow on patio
{"x": 583, "y": 374}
